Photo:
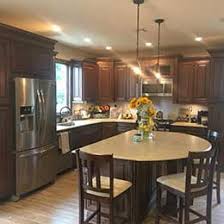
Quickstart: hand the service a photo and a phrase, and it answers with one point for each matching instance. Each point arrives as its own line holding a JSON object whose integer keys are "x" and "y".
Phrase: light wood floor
{"x": 58, "y": 204}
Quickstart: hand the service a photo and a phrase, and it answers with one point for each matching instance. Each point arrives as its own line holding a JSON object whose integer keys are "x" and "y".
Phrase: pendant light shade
{"x": 157, "y": 73}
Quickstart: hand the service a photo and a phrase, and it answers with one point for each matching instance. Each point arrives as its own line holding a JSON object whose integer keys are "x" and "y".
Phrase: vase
{"x": 145, "y": 128}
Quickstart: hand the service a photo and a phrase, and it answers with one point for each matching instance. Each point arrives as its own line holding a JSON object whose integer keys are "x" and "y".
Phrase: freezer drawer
{"x": 35, "y": 168}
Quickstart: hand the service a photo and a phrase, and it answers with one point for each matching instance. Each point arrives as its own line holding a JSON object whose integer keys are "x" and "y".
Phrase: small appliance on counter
{"x": 202, "y": 117}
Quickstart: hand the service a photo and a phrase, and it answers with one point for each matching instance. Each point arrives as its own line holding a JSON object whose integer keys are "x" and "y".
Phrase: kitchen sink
{"x": 68, "y": 123}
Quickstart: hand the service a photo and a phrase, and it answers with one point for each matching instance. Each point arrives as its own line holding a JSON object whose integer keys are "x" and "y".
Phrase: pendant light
{"x": 137, "y": 69}
{"x": 157, "y": 73}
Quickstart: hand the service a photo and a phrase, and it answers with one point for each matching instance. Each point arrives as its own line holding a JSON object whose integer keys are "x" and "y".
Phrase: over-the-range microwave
{"x": 153, "y": 87}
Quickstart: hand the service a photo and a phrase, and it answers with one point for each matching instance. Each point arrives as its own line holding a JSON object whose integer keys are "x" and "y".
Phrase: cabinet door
{"x": 90, "y": 83}
{"x": 4, "y": 71}
{"x": 200, "y": 82}
{"x": 216, "y": 80}
{"x": 133, "y": 82}
{"x": 120, "y": 72}
{"x": 109, "y": 129}
{"x": 21, "y": 57}
{"x": 6, "y": 172}
{"x": 185, "y": 76}
{"x": 42, "y": 62}
{"x": 106, "y": 82}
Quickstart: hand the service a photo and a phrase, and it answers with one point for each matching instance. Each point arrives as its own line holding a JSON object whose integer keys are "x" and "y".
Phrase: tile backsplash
{"x": 165, "y": 104}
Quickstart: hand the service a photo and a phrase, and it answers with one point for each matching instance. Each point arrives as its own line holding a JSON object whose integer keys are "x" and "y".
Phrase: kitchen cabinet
{"x": 109, "y": 129}
{"x": 26, "y": 55}
{"x": 106, "y": 81}
{"x": 90, "y": 81}
{"x": 185, "y": 81}
{"x": 31, "y": 60}
{"x": 133, "y": 85}
{"x": 6, "y": 158}
{"x": 85, "y": 135}
{"x": 192, "y": 81}
{"x": 124, "y": 127}
{"x": 121, "y": 75}
{"x": 200, "y": 82}
{"x": 4, "y": 71}
{"x": 198, "y": 131}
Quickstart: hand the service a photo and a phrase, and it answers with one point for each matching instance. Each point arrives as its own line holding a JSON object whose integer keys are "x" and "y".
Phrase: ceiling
{"x": 113, "y": 22}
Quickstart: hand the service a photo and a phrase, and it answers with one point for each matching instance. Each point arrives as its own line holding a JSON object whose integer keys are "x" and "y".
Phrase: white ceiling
{"x": 113, "y": 22}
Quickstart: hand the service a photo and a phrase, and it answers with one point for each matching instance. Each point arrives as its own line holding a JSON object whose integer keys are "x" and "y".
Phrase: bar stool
{"x": 215, "y": 139}
{"x": 97, "y": 183}
{"x": 187, "y": 187}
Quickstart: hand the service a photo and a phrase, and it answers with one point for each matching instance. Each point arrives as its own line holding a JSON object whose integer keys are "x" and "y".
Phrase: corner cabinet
{"x": 192, "y": 82}
{"x": 106, "y": 81}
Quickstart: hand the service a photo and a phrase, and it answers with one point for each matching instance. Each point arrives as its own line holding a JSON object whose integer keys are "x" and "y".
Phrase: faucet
{"x": 67, "y": 115}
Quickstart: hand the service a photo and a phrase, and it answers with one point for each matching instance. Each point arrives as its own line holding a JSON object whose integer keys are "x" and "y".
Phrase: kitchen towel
{"x": 64, "y": 142}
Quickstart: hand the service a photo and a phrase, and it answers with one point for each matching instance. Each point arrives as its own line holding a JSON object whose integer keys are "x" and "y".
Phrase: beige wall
{"x": 67, "y": 52}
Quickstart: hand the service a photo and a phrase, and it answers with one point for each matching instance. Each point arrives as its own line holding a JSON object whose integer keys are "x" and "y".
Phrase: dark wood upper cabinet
{"x": 90, "y": 81}
{"x": 121, "y": 76}
{"x": 133, "y": 84}
{"x": 21, "y": 57}
{"x": 192, "y": 81}
{"x": 184, "y": 82}
{"x": 4, "y": 71}
{"x": 200, "y": 82}
{"x": 106, "y": 81}
{"x": 42, "y": 61}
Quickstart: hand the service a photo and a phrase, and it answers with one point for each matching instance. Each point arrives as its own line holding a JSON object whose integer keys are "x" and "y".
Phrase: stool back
{"x": 199, "y": 177}
{"x": 91, "y": 169}
{"x": 215, "y": 139}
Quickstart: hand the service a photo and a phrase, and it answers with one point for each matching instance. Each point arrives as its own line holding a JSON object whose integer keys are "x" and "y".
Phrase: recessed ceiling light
{"x": 56, "y": 28}
{"x": 148, "y": 44}
{"x": 109, "y": 48}
{"x": 87, "y": 40}
{"x": 198, "y": 39}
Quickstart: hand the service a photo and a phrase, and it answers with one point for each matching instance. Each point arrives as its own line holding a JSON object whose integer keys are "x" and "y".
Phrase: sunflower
{"x": 133, "y": 103}
{"x": 145, "y": 100}
{"x": 152, "y": 111}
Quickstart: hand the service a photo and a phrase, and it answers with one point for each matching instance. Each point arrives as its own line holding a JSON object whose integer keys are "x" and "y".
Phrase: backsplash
{"x": 165, "y": 104}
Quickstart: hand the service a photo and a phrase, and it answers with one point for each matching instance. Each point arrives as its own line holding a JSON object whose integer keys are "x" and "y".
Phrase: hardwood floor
{"x": 58, "y": 204}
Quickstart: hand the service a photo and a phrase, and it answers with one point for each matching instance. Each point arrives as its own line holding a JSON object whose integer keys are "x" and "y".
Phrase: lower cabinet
{"x": 109, "y": 129}
{"x": 198, "y": 131}
{"x": 86, "y": 135}
{"x": 123, "y": 127}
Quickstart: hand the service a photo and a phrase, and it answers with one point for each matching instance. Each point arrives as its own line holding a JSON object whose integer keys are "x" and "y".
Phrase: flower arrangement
{"x": 145, "y": 113}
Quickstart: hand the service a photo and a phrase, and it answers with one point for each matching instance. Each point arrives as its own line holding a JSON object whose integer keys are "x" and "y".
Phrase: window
{"x": 62, "y": 85}
{"x": 77, "y": 83}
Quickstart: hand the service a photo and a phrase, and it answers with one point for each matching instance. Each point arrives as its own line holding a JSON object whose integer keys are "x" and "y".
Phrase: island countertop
{"x": 165, "y": 146}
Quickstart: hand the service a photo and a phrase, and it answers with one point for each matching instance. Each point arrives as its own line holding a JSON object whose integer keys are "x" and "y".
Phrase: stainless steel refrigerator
{"x": 36, "y": 147}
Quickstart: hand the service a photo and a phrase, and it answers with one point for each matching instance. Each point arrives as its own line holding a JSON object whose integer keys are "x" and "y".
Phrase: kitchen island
{"x": 140, "y": 163}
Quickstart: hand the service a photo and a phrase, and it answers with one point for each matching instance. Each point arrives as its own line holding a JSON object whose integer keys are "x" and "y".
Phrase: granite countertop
{"x": 188, "y": 124}
{"x": 165, "y": 146}
{"x": 80, "y": 123}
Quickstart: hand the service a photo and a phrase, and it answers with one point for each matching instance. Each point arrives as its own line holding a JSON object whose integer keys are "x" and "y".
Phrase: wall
{"x": 165, "y": 104}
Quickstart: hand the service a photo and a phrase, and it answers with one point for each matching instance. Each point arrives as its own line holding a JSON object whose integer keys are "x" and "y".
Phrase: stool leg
{"x": 111, "y": 213}
{"x": 209, "y": 208}
{"x": 218, "y": 182}
{"x": 181, "y": 211}
{"x": 187, "y": 210}
{"x": 99, "y": 212}
{"x": 81, "y": 211}
{"x": 158, "y": 203}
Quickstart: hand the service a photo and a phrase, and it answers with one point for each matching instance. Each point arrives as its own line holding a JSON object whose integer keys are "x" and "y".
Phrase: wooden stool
{"x": 187, "y": 187}
{"x": 97, "y": 183}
